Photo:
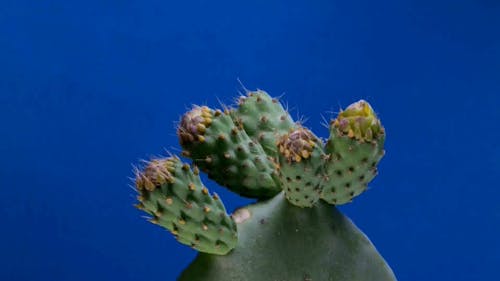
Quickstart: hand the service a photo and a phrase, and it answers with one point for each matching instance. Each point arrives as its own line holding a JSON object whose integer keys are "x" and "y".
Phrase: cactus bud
{"x": 194, "y": 123}
{"x": 358, "y": 121}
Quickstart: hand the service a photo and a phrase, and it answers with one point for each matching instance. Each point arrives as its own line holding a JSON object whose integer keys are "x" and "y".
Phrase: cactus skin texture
{"x": 292, "y": 232}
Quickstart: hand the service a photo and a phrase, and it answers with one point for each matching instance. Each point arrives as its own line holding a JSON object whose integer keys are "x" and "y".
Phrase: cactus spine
{"x": 257, "y": 151}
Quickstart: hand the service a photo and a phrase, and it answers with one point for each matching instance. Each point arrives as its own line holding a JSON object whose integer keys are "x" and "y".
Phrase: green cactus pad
{"x": 172, "y": 193}
{"x": 355, "y": 147}
{"x": 280, "y": 242}
{"x": 227, "y": 154}
{"x": 263, "y": 118}
{"x": 301, "y": 159}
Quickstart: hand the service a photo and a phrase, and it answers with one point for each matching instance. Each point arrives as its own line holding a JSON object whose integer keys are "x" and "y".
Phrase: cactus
{"x": 293, "y": 231}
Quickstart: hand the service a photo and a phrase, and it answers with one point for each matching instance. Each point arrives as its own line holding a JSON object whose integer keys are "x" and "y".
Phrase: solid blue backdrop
{"x": 88, "y": 88}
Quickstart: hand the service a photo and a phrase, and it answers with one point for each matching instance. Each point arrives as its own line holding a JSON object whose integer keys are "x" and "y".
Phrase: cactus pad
{"x": 172, "y": 193}
{"x": 279, "y": 242}
{"x": 355, "y": 147}
{"x": 263, "y": 118}
{"x": 227, "y": 154}
{"x": 301, "y": 165}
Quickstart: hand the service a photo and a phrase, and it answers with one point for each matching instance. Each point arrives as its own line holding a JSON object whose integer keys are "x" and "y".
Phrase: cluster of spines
{"x": 358, "y": 121}
{"x": 172, "y": 193}
{"x": 194, "y": 124}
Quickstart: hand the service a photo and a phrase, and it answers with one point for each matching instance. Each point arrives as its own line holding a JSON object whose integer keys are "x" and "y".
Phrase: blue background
{"x": 88, "y": 88}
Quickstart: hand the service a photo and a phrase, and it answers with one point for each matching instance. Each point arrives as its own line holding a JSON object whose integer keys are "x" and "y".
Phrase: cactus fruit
{"x": 292, "y": 232}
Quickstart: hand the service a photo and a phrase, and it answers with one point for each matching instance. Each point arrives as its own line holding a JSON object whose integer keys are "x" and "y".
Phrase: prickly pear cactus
{"x": 293, "y": 232}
